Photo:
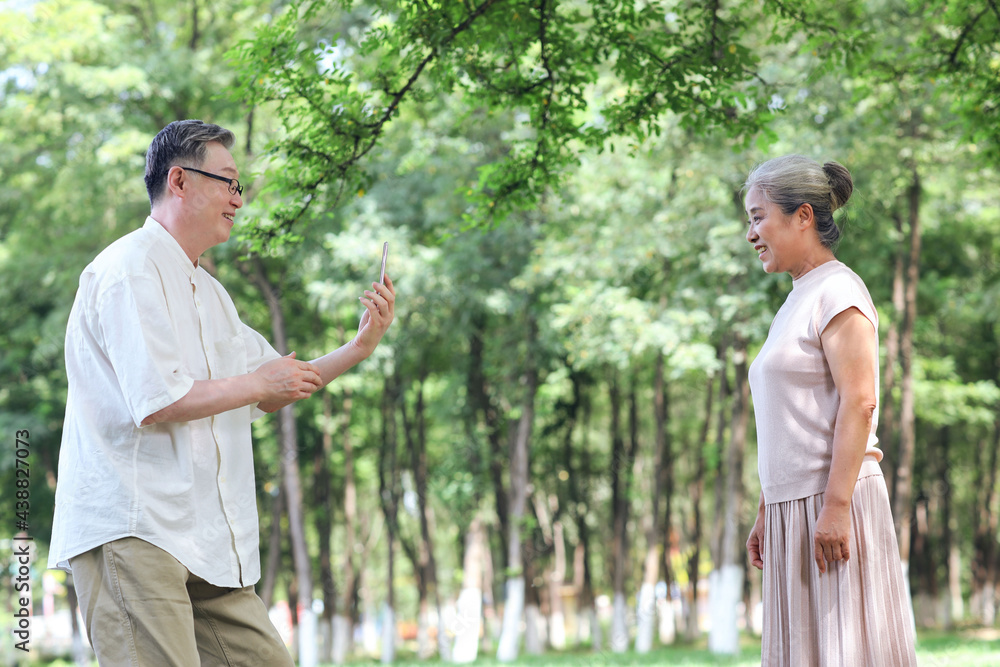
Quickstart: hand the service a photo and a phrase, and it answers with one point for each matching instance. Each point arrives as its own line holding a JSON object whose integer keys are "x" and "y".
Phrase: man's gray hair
{"x": 181, "y": 141}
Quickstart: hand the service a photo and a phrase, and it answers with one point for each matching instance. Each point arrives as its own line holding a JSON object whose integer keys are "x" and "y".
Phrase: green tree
{"x": 545, "y": 59}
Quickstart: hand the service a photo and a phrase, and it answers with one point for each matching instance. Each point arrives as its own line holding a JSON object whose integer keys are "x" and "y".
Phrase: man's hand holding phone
{"x": 379, "y": 305}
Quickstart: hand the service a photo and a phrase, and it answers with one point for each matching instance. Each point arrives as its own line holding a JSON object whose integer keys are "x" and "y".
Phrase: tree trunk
{"x": 80, "y": 653}
{"x": 622, "y": 459}
{"x": 510, "y": 634}
{"x": 619, "y": 638}
{"x": 296, "y": 524}
{"x": 667, "y": 627}
{"x": 367, "y": 617}
{"x": 322, "y": 500}
{"x": 274, "y": 543}
{"x": 953, "y": 607}
{"x": 984, "y": 530}
{"x": 693, "y": 629}
{"x": 922, "y": 552}
{"x": 491, "y": 622}
{"x": 902, "y": 498}
{"x": 557, "y": 615}
{"x": 646, "y": 605}
{"x": 479, "y": 396}
{"x": 887, "y": 406}
{"x": 343, "y": 621}
{"x": 726, "y": 588}
{"x": 533, "y": 632}
{"x": 420, "y": 554}
{"x": 587, "y": 627}
{"x": 389, "y": 497}
{"x": 468, "y": 621}
{"x": 293, "y": 487}
{"x": 418, "y": 463}
{"x": 292, "y": 595}
{"x": 547, "y": 513}
{"x": 195, "y": 31}
{"x": 724, "y": 416}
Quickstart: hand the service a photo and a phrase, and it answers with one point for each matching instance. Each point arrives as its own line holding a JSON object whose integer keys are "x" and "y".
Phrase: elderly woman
{"x": 833, "y": 585}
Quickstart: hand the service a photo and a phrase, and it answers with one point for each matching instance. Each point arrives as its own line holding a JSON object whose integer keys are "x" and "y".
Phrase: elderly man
{"x": 155, "y": 503}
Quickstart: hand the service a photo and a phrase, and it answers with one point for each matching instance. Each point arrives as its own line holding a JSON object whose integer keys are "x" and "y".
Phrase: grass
{"x": 681, "y": 654}
{"x": 966, "y": 648}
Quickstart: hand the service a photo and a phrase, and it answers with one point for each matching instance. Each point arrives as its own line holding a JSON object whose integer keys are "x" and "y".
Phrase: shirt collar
{"x": 816, "y": 273}
{"x": 173, "y": 248}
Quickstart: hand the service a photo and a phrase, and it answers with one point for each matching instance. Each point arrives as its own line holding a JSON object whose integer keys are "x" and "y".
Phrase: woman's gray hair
{"x": 793, "y": 180}
{"x": 181, "y": 141}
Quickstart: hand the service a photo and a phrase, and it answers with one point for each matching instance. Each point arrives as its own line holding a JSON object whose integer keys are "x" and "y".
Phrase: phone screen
{"x": 385, "y": 253}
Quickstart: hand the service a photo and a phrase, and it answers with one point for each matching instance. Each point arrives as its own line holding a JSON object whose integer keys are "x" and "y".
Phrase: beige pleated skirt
{"x": 855, "y": 615}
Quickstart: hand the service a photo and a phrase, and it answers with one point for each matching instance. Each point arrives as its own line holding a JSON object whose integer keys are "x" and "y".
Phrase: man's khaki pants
{"x": 141, "y": 608}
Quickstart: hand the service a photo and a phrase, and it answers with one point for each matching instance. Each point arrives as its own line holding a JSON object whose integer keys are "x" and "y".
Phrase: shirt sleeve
{"x": 142, "y": 346}
{"x": 259, "y": 352}
{"x": 846, "y": 291}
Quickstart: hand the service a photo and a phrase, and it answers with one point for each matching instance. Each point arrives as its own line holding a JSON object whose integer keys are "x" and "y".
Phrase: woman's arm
{"x": 850, "y": 346}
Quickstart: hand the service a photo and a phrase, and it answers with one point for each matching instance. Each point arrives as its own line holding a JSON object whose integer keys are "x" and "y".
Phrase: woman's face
{"x": 772, "y": 234}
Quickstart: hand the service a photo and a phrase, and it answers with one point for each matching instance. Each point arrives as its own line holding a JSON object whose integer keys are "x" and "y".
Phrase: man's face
{"x": 212, "y": 206}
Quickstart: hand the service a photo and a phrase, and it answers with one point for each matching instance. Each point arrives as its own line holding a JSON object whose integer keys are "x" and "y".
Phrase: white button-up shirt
{"x": 147, "y": 323}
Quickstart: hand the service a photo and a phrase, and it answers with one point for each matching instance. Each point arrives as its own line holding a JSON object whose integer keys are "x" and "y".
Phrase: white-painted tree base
{"x": 513, "y": 610}
{"x": 467, "y": 624}
{"x": 325, "y": 638}
{"x": 583, "y": 626}
{"x": 619, "y": 625}
{"x": 444, "y": 645}
{"x": 533, "y": 640}
{"x": 988, "y": 607}
{"x": 645, "y": 613}
{"x": 388, "y": 635}
{"x": 341, "y": 639}
{"x": 369, "y": 634}
{"x": 557, "y": 631}
{"x": 667, "y": 616}
{"x": 307, "y": 638}
{"x": 725, "y": 588}
{"x": 596, "y": 633}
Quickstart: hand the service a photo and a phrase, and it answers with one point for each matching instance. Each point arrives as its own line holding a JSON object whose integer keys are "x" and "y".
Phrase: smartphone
{"x": 385, "y": 253}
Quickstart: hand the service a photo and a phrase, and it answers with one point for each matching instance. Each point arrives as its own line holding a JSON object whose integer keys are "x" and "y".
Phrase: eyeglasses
{"x": 234, "y": 185}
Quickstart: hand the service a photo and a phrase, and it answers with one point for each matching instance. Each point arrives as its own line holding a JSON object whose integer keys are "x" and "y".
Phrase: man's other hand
{"x": 286, "y": 380}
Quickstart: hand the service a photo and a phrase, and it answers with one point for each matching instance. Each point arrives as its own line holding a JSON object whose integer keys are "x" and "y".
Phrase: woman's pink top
{"x": 795, "y": 400}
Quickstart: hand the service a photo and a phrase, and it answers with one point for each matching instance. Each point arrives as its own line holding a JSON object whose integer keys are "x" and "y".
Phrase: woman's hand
{"x": 755, "y": 543}
{"x": 832, "y": 538}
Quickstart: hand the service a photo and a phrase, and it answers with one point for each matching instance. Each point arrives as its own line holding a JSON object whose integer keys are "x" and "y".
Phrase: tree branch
{"x": 953, "y": 56}
{"x": 802, "y": 18}
{"x": 550, "y": 78}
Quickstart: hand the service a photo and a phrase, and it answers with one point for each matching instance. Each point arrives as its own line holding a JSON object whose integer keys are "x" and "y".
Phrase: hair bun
{"x": 841, "y": 184}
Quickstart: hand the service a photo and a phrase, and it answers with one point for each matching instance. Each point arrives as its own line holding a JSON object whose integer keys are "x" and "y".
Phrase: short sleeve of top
{"x": 795, "y": 399}
{"x": 142, "y": 345}
{"x": 258, "y": 353}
